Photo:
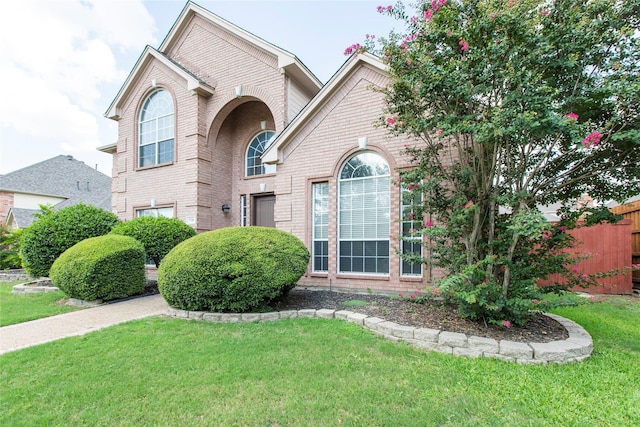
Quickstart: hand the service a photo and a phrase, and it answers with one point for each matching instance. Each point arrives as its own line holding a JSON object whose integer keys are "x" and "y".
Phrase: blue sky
{"x": 63, "y": 61}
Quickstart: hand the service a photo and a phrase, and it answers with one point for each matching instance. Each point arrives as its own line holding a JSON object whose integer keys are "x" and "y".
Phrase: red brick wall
{"x": 6, "y": 203}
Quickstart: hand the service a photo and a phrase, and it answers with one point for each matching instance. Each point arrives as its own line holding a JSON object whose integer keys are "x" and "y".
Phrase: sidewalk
{"x": 21, "y": 335}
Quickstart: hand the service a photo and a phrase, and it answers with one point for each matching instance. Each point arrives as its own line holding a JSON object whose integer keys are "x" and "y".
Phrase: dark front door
{"x": 263, "y": 211}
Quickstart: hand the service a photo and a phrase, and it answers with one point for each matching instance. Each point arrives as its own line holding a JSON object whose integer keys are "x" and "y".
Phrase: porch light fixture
{"x": 225, "y": 209}
{"x": 362, "y": 142}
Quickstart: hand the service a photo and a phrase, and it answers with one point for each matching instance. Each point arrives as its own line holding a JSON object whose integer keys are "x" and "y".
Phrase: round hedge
{"x": 44, "y": 240}
{"x": 105, "y": 268}
{"x": 158, "y": 235}
{"x": 234, "y": 269}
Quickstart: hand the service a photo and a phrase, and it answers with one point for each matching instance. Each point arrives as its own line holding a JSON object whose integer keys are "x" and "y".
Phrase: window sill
{"x": 144, "y": 168}
{"x": 411, "y": 278}
{"x": 363, "y": 276}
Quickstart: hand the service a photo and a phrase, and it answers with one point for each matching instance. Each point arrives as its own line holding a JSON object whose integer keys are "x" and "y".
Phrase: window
{"x": 243, "y": 210}
{"x": 321, "y": 227}
{"x": 155, "y": 141}
{"x": 410, "y": 244}
{"x": 363, "y": 215}
{"x": 256, "y": 149}
{"x": 156, "y": 212}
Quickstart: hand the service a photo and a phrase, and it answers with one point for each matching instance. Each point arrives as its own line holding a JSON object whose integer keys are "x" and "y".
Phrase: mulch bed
{"x": 440, "y": 316}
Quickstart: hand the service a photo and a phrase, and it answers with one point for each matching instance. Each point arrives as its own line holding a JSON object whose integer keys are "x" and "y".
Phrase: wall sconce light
{"x": 362, "y": 142}
{"x": 238, "y": 91}
{"x": 225, "y": 209}
{"x": 263, "y": 124}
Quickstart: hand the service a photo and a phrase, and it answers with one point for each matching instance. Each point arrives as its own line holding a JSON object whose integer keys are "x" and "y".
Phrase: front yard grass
{"x": 304, "y": 372}
{"x": 18, "y": 308}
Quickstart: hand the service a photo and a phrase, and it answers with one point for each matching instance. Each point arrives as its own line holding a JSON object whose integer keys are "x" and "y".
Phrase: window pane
{"x": 320, "y": 226}
{"x": 255, "y": 150}
{"x": 156, "y": 130}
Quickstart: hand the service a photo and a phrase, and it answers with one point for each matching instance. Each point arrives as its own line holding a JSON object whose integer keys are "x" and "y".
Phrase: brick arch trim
{"x": 229, "y": 101}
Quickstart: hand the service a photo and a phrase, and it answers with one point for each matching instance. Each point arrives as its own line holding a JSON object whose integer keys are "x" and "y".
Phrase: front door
{"x": 263, "y": 211}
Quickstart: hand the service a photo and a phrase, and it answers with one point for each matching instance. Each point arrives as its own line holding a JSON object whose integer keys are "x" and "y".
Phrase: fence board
{"x": 632, "y": 211}
{"x": 609, "y": 248}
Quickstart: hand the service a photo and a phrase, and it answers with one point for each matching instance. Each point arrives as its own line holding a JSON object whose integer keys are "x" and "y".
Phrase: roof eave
{"x": 195, "y": 85}
{"x": 273, "y": 154}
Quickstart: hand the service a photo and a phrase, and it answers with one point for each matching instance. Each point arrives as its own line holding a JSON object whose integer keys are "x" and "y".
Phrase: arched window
{"x": 156, "y": 134}
{"x": 363, "y": 215}
{"x": 256, "y": 148}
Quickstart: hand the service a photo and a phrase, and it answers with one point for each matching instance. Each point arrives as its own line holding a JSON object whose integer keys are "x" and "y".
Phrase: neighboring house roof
{"x": 61, "y": 176}
{"x": 21, "y": 218}
{"x": 288, "y": 62}
{"x": 274, "y": 153}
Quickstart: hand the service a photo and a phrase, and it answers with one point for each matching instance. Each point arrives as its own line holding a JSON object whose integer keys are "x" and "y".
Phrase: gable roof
{"x": 194, "y": 83}
{"x": 21, "y": 218}
{"x": 288, "y": 62}
{"x": 273, "y": 153}
{"x": 61, "y": 176}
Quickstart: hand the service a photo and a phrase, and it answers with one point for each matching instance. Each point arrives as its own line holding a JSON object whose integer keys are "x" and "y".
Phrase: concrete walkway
{"x": 21, "y": 335}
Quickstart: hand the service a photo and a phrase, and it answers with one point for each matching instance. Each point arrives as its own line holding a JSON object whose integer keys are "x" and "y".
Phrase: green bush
{"x": 158, "y": 235}
{"x": 9, "y": 248}
{"x": 104, "y": 267}
{"x": 234, "y": 269}
{"x": 55, "y": 232}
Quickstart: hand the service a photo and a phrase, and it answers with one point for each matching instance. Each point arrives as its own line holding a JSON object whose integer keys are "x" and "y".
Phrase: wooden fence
{"x": 631, "y": 211}
{"x": 609, "y": 248}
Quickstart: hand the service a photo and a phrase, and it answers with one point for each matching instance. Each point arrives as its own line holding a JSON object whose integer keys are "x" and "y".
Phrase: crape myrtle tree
{"x": 513, "y": 105}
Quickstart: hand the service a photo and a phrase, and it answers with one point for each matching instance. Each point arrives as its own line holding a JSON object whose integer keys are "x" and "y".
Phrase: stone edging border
{"x": 576, "y": 348}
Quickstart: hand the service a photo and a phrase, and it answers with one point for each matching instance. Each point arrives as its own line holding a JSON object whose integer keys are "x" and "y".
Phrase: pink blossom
{"x": 400, "y": 295}
{"x": 411, "y": 216}
{"x": 572, "y": 116}
{"x": 412, "y": 296}
{"x": 506, "y": 324}
{"x": 428, "y": 15}
{"x": 584, "y": 276}
{"x": 354, "y": 48}
{"x": 428, "y": 223}
{"x": 463, "y": 45}
{"x": 544, "y": 12}
{"x": 562, "y": 228}
{"x": 469, "y": 204}
{"x": 593, "y": 139}
{"x": 575, "y": 270}
{"x": 535, "y": 301}
{"x": 592, "y": 298}
{"x": 439, "y": 132}
{"x": 435, "y": 291}
{"x": 382, "y": 9}
{"x": 391, "y": 121}
{"x": 437, "y": 4}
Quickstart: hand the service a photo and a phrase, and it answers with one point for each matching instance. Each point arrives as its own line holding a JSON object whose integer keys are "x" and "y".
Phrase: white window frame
{"x": 320, "y": 225}
{"x": 378, "y": 205}
{"x": 255, "y": 150}
{"x": 407, "y": 224}
{"x": 154, "y": 126}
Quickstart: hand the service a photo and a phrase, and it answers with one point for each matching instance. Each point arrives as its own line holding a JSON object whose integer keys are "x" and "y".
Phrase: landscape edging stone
{"x": 576, "y": 348}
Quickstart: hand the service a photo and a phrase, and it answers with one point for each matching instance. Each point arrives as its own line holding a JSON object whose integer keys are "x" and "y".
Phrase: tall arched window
{"x": 363, "y": 215}
{"x": 156, "y": 134}
{"x": 256, "y": 148}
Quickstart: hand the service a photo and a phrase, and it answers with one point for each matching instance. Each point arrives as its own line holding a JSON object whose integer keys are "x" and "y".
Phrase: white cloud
{"x": 61, "y": 61}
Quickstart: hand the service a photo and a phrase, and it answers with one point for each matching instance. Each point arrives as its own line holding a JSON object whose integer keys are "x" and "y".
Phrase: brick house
{"x": 220, "y": 128}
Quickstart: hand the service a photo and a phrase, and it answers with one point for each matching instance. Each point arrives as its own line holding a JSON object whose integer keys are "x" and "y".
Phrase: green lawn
{"x": 313, "y": 372}
{"x": 18, "y": 308}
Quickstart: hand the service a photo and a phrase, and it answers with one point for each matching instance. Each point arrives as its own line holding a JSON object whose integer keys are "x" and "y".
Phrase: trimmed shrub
{"x": 158, "y": 235}
{"x": 235, "y": 269}
{"x": 48, "y": 237}
{"x": 105, "y": 267}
